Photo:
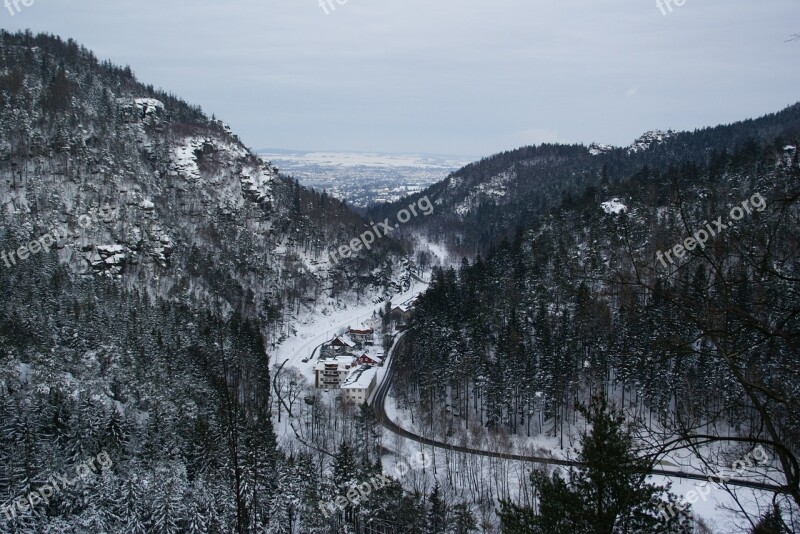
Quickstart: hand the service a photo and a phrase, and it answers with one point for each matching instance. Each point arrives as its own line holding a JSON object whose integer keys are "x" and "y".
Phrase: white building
{"x": 332, "y": 372}
{"x": 359, "y": 384}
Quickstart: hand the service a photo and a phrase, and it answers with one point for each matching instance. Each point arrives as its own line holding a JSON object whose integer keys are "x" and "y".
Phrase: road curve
{"x": 380, "y": 414}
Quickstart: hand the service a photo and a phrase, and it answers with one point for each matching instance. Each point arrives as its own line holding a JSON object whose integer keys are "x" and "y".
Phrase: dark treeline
{"x": 175, "y": 398}
{"x": 178, "y": 401}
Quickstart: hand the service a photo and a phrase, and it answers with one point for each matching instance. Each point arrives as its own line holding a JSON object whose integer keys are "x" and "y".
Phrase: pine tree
{"x": 131, "y": 509}
{"x": 463, "y": 520}
{"x": 345, "y": 472}
{"x": 366, "y": 439}
{"x": 408, "y": 513}
{"x": 116, "y": 432}
{"x": 168, "y": 505}
{"x": 312, "y": 518}
{"x": 437, "y": 512}
{"x": 770, "y": 523}
{"x": 605, "y": 495}
{"x": 522, "y": 520}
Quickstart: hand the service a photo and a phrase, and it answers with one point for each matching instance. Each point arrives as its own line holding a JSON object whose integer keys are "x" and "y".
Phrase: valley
{"x": 558, "y": 337}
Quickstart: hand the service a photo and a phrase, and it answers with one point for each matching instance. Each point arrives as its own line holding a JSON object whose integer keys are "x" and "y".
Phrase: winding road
{"x": 379, "y": 400}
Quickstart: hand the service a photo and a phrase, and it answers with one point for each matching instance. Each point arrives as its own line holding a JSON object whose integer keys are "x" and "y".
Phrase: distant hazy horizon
{"x": 448, "y": 77}
{"x": 289, "y": 151}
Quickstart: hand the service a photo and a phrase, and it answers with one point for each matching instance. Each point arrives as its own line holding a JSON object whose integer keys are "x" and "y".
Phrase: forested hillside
{"x": 148, "y": 261}
{"x": 493, "y": 198}
{"x": 697, "y": 344}
{"x": 187, "y": 210}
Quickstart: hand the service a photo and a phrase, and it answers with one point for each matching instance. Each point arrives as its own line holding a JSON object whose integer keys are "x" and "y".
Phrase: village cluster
{"x": 349, "y": 362}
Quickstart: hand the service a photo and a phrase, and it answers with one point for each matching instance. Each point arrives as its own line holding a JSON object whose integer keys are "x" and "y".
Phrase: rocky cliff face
{"x": 149, "y": 191}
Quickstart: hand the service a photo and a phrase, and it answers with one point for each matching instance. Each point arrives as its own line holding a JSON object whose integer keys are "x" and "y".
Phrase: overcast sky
{"x": 459, "y": 77}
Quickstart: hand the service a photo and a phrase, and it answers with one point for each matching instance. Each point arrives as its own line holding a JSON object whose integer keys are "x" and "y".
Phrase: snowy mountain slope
{"x": 195, "y": 215}
{"x": 486, "y": 201}
{"x": 150, "y": 264}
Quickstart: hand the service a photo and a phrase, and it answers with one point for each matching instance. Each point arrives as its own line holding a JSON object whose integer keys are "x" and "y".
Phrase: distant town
{"x": 363, "y": 179}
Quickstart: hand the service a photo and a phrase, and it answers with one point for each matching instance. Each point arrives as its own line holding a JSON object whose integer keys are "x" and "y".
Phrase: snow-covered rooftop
{"x": 360, "y": 377}
{"x": 344, "y": 340}
{"x": 341, "y": 362}
{"x": 352, "y": 331}
{"x": 373, "y": 357}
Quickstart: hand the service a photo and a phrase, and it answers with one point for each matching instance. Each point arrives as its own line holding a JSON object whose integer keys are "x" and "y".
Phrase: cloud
{"x": 631, "y": 92}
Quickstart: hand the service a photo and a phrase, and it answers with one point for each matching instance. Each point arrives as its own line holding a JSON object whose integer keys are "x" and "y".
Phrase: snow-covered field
{"x": 312, "y": 328}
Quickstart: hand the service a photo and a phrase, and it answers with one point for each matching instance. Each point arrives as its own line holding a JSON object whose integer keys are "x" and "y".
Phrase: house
{"x": 370, "y": 359}
{"x": 331, "y": 373}
{"x": 365, "y": 337}
{"x": 401, "y": 314}
{"x": 341, "y": 343}
{"x": 359, "y": 384}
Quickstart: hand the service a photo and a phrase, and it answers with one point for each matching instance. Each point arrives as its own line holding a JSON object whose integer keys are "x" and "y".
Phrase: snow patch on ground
{"x": 148, "y": 106}
{"x": 596, "y": 149}
{"x": 185, "y": 159}
{"x": 649, "y": 139}
{"x": 441, "y": 256}
{"x": 493, "y": 189}
{"x": 614, "y": 206}
{"x": 311, "y": 329}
